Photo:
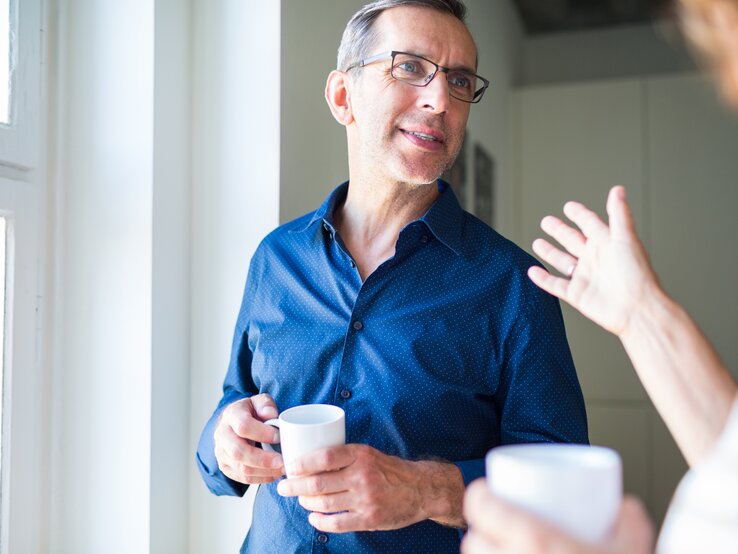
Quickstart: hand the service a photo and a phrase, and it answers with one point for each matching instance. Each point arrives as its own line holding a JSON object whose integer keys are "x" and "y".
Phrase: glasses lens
{"x": 410, "y": 69}
{"x": 462, "y": 85}
{"x": 419, "y": 72}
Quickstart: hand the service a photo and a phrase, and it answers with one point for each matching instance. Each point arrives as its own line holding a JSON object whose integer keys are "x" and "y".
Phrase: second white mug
{"x": 576, "y": 487}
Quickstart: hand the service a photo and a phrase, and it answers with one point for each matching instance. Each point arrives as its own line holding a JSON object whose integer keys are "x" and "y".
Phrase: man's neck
{"x": 373, "y": 214}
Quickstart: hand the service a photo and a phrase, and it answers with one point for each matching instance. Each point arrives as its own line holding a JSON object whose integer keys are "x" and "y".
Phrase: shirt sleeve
{"x": 238, "y": 384}
{"x": 471, "y": 470}
{"x": 539, "y": 397}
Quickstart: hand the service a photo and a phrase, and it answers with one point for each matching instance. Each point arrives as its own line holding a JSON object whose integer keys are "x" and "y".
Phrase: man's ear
{"x": 338, "y": 96}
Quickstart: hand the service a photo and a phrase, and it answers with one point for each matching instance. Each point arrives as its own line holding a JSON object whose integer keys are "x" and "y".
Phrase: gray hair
{"x": 359, "y": 36}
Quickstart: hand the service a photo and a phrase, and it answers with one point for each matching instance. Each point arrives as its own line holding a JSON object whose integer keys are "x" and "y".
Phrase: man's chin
{"x": 422, "y": 175}
{"x": 418, "y": 181}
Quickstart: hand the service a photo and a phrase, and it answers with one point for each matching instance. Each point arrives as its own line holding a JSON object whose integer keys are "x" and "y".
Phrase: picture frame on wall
{"x": 457, "y": 177}
{"x": 484, "y": 185}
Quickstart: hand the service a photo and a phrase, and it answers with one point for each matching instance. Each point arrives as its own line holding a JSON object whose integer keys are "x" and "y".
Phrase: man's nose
{"x": 435, "y": 95}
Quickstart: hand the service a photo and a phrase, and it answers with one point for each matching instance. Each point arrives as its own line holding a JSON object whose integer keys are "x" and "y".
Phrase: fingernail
{"x": 277, "y": 462}
{"x": 269, "y": 412}
{"x": 280, "y": 488}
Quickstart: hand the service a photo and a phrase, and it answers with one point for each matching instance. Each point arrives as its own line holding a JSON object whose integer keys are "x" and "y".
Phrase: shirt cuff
{"x": 471, "y": 470}
{"x": 207, "y": 463}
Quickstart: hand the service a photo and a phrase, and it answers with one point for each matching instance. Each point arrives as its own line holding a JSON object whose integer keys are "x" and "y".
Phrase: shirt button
{"x": 358, "y": 325}
{"x": 424, "y": 239}
{"x": 322, "y": 539}
{"x": 345, "y": 394}
{"x": 352, "y": 263}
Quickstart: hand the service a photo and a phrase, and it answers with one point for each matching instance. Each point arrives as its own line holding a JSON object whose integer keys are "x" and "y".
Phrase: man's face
{"x": 394, "y": 120}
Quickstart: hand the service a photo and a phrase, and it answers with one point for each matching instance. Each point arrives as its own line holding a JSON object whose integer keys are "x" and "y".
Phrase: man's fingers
{"x": 327, "y": 503}
{"x": 568, "y": 237}
{"x": 337, "y": 523}
{"x": 254, "y": 430}
{"x": 234, "y": 449}
{"x": 322, "y": 460}
{"x": 258, "y": 465}
{"x": 331, "y": 482}
{"x": 556, "y": 286}
{"x": 552, "y": 255}
{"x": 243, "y": 423}
{"x": 239, "y": 475}
{"x": 264, "y": 406}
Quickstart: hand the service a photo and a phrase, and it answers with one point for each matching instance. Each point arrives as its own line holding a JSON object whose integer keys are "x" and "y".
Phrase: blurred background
{"x": 147, "y": 146}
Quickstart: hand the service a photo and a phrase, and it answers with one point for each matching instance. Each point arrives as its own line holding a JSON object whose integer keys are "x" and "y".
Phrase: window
{"x": 20, "y": 72}
{"x": 24, "y": 435}
{"x": 5, "y": 41}
{"x": 3, "y": 224}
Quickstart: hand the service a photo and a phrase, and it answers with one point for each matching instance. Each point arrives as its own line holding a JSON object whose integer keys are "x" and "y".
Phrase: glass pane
{"x": 5, "y": 61}
{"x": 3, "y": 227}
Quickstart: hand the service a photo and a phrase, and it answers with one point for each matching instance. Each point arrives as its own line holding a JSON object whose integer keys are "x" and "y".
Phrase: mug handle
{"x": 267, "y": 446}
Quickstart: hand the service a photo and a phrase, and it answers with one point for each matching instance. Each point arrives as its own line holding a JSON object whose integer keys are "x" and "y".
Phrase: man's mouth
{"x": 424, "y": 136}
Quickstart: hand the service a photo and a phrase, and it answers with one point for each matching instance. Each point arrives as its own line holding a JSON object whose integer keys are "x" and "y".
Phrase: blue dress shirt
{"x": 445, "y": 351}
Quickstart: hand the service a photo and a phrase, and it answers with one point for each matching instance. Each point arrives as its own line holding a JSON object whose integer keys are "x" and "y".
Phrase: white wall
{"x": 170, "y": 277}
{"x": 235, "y": 203}
{"x": 103, "y": 288}
{"x": 498, "y": 34}
{"x": 670, "y": 141}
{"x": 165, "y": 179}
{"x": 313, "y": 145}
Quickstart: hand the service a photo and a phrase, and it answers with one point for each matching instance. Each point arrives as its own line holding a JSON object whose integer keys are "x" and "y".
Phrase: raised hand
{"x": 606, "y": 268}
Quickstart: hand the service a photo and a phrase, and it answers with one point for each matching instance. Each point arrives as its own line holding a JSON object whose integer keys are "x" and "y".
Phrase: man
{"x": 393, "y": 303}
{"x": 610, "y": 280}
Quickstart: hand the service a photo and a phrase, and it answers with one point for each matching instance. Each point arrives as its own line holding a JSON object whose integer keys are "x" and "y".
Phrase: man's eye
{"x": 460, "y": 80}
{"x": 408, "y": 67}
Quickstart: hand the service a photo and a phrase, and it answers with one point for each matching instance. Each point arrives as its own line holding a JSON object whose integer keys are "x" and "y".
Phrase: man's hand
{"x": 608, "y": 275}
{"x": 239, "y": 428}
{"x": 497, "y": 527}
{"x": 358, "y": 488}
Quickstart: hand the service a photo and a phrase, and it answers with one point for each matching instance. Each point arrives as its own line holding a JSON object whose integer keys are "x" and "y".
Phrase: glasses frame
{"x": 392, "y": 53}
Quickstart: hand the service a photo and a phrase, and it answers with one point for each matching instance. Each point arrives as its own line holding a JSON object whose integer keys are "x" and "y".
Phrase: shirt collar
{"x": 444, "y": 218}
{"x": 325, "y": 212}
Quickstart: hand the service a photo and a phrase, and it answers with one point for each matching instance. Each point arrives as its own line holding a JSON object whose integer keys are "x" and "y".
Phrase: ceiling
{"x": 541, "y": 17}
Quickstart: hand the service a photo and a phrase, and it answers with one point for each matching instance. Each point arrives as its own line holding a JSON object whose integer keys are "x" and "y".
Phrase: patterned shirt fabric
{"x": 445, "y": 351}
{"x": 703, "y": 515}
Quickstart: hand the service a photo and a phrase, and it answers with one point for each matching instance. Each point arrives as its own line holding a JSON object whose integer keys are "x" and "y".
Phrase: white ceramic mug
{"x": 575, "y": 487}
{"x": 309, "y": 427}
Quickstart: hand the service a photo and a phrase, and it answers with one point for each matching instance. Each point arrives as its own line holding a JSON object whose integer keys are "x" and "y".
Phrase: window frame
{"x": 19, "y": 139}
{"x": 25, "y": 438}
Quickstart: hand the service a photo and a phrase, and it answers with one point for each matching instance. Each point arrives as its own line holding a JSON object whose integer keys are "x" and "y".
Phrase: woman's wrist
{"x": 655, "y": 310}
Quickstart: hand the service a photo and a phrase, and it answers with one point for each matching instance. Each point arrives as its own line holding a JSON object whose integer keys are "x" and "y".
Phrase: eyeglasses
{"x": 419, "y": 72}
